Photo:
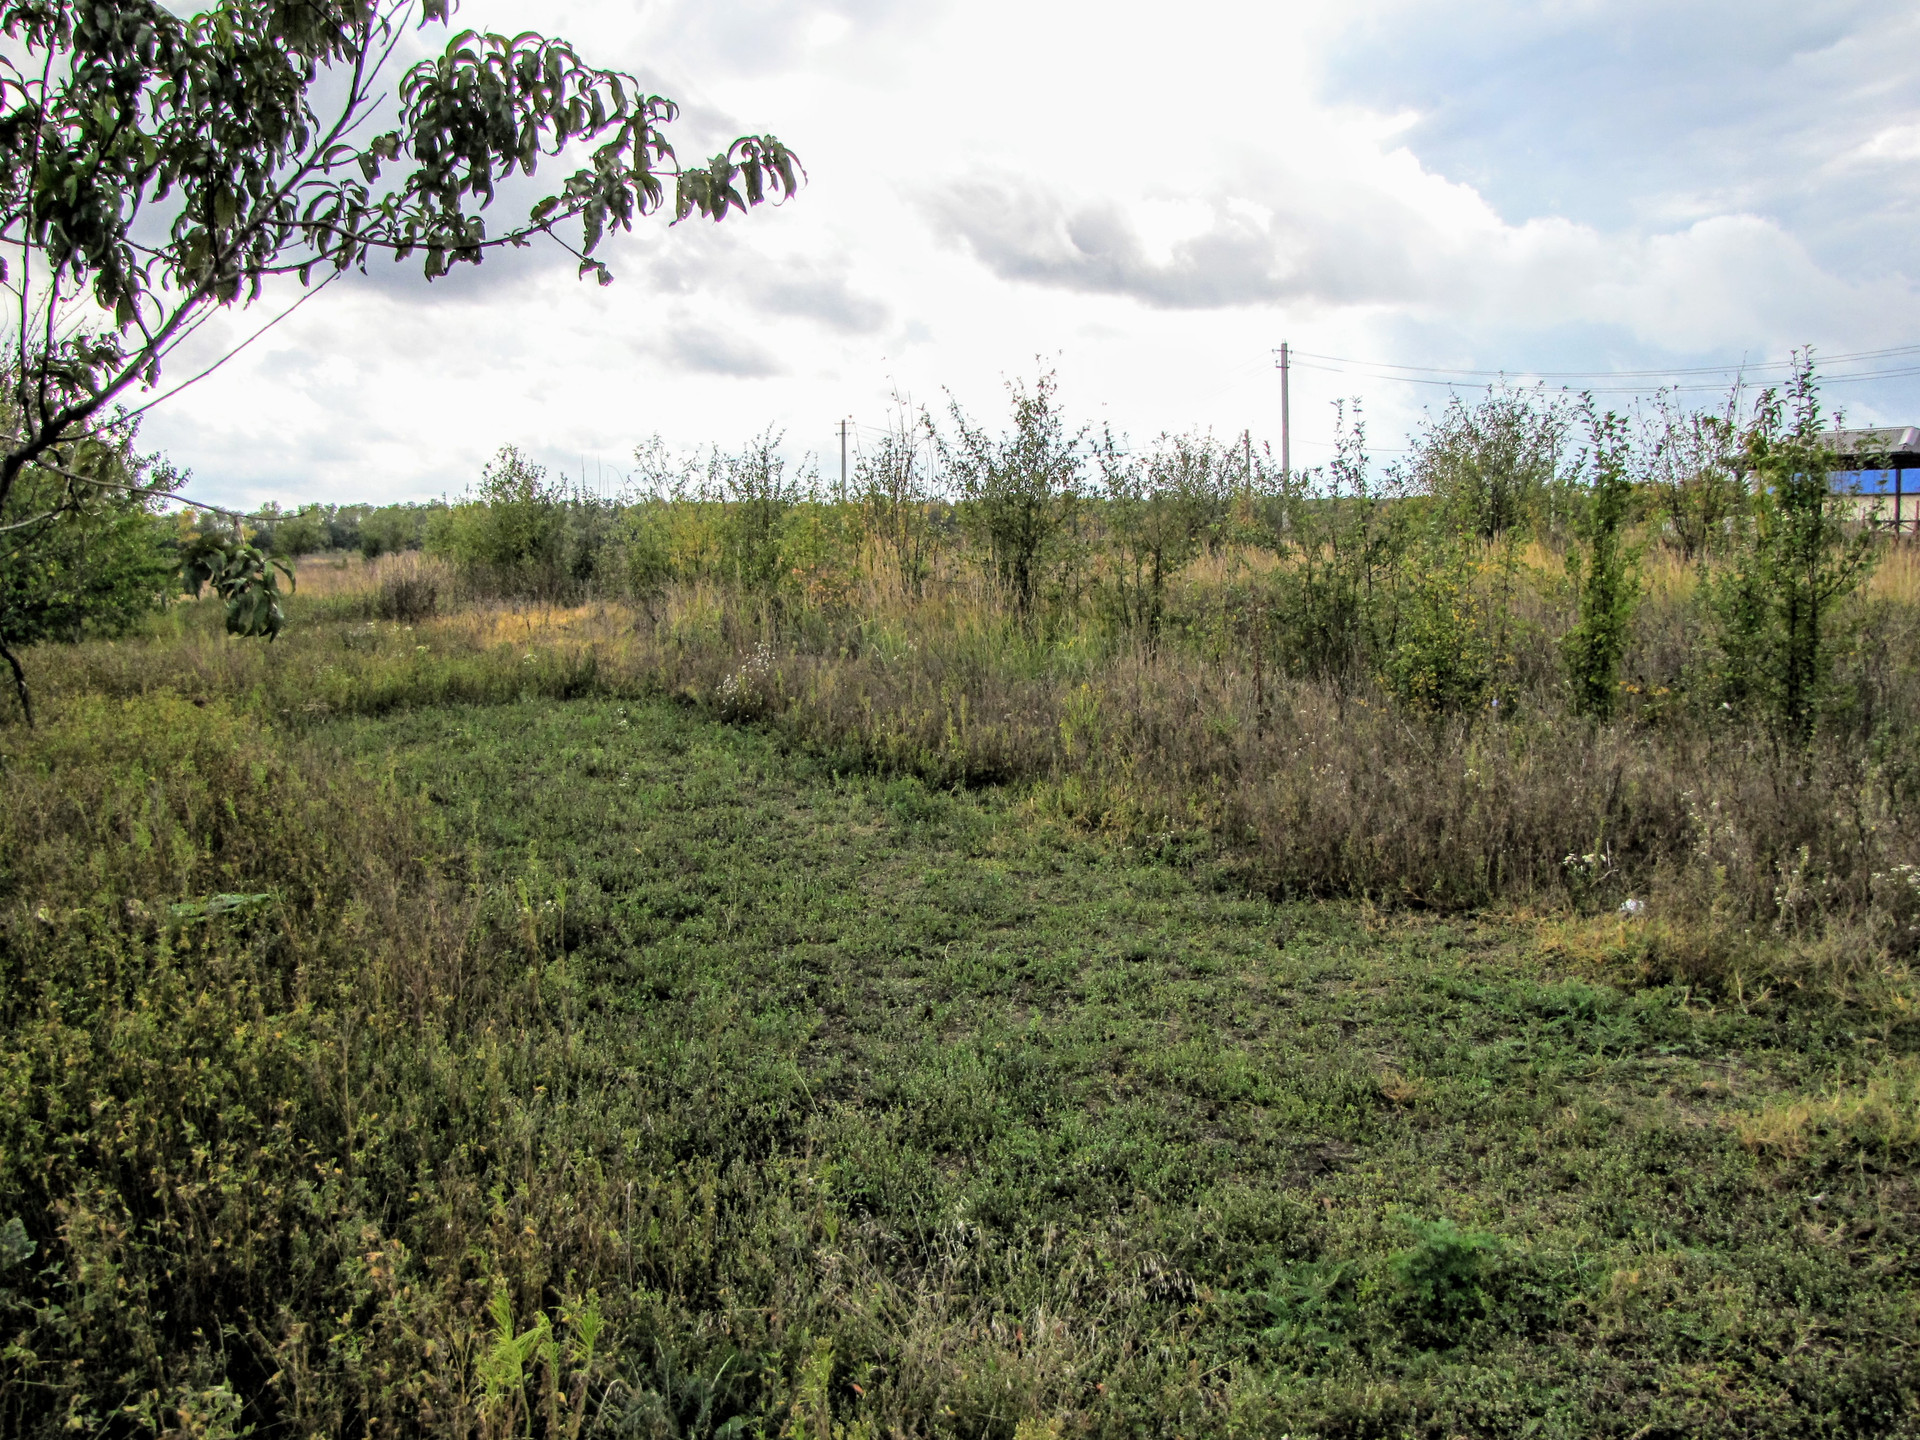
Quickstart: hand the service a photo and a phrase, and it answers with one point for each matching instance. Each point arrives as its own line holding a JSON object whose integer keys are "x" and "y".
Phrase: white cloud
{"x": 1893, "y": 144}
{"x": 1150, "y": 205}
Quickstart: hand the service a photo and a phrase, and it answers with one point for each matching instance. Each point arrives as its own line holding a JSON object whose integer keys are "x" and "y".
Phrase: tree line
{"x": 1422, "y": 577}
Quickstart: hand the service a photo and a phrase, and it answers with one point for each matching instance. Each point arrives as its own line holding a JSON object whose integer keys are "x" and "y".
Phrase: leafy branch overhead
{"x": 248, "y": 579}
{"x": 155, "y": 168}
{"x": 159, "y": 165}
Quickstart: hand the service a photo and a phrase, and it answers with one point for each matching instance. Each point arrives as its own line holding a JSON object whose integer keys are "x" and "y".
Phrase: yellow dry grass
{"x": 1399, "y": 1089}
{"x": 514, "y": 625}
{"x": 1878, "y": 1117}
{"x": 325, "y": 576}
{"x": 1897, "y": 577}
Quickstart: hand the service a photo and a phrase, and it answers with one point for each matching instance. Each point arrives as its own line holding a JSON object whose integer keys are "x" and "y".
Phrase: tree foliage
{"x": 156, "y": 167}
{"x": 1795, "y": 558}
{"x": 1604, "y": 570}
{"x": 80, "y": 555}
{"x": 1019, "y": 491}
{"x": 248, "y": 579}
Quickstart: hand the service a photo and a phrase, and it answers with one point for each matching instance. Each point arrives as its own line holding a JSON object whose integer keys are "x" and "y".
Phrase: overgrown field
{"x": 465, "y": 1030}
{"x": 1202, "y": 954}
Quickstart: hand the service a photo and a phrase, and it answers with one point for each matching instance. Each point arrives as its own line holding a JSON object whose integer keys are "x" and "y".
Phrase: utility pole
{"x": 1286, "y": 421}
{"x": 843, "y": 462}
{"x": 1246, "y": 442}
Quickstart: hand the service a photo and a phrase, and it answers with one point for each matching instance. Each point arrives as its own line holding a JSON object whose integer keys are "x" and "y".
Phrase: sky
{"x": 1147, "y": 200}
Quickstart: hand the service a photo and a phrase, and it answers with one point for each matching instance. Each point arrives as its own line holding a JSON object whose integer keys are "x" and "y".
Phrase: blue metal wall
{"x": 1876, "y": 482}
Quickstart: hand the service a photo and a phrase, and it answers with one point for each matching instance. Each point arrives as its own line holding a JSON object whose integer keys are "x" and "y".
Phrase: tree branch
{"x": 19, "y": 680}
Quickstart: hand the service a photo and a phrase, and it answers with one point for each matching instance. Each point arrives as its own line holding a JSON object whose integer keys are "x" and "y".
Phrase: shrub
{"x": 301, "y": 533}
{"x": 508, "y": 536}
{"x": 1690, "y": 464}
{"x": 894, "y": 484}
{"x": 1442, "y": 658}
{"x": 391, "y": 529}
{"x": 1441, "y": 1280}
{"x": 1496, "y": 465}
{"x": 1020, "y": 491}
{"x": 757, "y": 495}
{"x": 409, "y": 591}
{"x": 1793, "y": 561}
{"x": 80, "y": 560}
{"x": 1604, "y": 572}
{"x": 1156, "y": 512}
{"x": 1334, "y": 601}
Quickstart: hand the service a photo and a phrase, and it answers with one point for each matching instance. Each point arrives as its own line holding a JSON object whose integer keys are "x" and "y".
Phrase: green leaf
{"x": 212, "y": 905}
{"x": 16, "y": 1246}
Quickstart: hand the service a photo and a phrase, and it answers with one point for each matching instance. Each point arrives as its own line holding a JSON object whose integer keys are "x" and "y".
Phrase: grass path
{"x": 1085, "y": 1136}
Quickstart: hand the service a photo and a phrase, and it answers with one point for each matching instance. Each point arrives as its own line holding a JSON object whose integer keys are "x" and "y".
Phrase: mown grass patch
{"x": 845, "y": 1103}
{"x": 1045, "y": 1083}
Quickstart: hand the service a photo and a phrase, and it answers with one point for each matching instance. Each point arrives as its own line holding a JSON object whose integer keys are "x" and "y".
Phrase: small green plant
{"x": 1443, "y": 660}
{"x": 1307, "y": 1305}
{"x": 503, "y": 1367}
{"x": 1794, "y": 560}
{"x": 536, "y": 1373}
{"x": 1441, "y": 1281}
{"x": 1604, "y": 571}
{"x": 16, "y": 1246}
{"x": 912, "y": 804}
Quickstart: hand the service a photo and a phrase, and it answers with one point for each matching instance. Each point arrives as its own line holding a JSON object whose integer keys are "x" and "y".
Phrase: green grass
{"x": 403, "y": 1036}
{"x": 1010, "y": 1124}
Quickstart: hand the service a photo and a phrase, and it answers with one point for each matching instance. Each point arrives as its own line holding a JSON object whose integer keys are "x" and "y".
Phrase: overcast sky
{"x": 1148, "y": 199}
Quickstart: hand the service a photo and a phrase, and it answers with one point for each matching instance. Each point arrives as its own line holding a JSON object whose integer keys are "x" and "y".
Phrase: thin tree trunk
{"x": 19, "y": 681}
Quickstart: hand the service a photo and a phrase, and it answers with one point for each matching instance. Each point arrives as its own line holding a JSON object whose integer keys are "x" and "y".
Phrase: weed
{"x": 1441, "y": 1280}
{"x": 854, "y": 1113}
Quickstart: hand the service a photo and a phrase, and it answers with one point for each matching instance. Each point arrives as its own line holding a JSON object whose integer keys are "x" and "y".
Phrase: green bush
{"x": 1333, "y": 603}
{"x": 1156, "y": 512}
{"x": 81, "y": 560}
{"x": 1442, "y": 658}
{"x": 893, "y": 484}
{"x": 758, "y": 496}
{"x": 302, "y": 533}
{"x": 1497, "y": 465}
{"x": 510, "y": 535}
{"x": 1441, "y": 1280}
{"x": 1020, "y": 492}
{"x": 1793, "y": 560}
{"x": 1604, "y": 572}
{"x": 390, "y": 529}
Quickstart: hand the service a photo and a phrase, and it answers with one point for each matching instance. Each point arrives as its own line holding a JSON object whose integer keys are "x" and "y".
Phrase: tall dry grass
{"x": 1733, "y": 844}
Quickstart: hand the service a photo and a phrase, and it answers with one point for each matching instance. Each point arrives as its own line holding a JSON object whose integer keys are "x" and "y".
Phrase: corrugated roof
{"x": 1883, "y": 440}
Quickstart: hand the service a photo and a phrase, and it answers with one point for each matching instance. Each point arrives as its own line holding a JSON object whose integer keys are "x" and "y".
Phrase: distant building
{"x": 1882, "y": 467}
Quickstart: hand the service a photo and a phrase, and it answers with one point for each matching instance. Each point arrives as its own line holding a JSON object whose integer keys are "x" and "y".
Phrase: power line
{"x": 1509, "y": 376}
{"x": 1678, "y": 371}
